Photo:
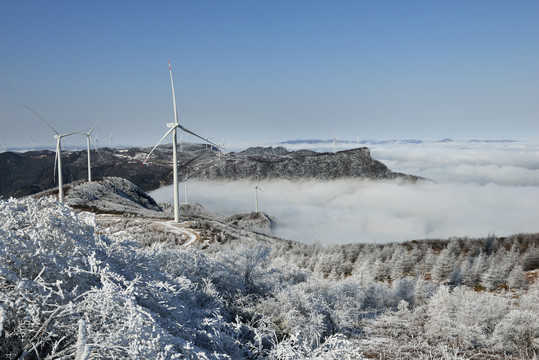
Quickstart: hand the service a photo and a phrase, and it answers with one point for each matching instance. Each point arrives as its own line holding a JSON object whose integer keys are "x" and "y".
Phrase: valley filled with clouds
{"x": 475, "y": 188}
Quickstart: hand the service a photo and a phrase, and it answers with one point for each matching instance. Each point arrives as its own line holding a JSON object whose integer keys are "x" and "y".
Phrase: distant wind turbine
{"x": 222, "y": 146}
{"x": 173, "y": 129}
{"x": 335, "y": 143}
{"x": 58, "y": 159}
{"x": 88, "y": 139}
{"x": 256, "y": 197}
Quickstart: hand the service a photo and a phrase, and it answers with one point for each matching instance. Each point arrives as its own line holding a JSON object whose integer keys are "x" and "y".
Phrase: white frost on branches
{"x": 68, "y": 293}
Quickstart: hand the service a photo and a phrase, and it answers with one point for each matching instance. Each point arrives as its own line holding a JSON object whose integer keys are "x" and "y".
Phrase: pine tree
{"x": 444, "y": 265}
{"x": 516, "y": 278}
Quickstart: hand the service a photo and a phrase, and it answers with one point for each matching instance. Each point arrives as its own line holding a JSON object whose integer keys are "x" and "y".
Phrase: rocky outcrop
{"x": 271, "y": 164}
{"x": 111, "y": 194}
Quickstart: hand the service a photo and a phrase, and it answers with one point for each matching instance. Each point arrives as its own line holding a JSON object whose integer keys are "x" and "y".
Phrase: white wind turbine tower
{"x": 88, "y": 138}
{"x": 58, "y": 159}
{"x": 173, "y": 129}
{"x": 335, "y": 143}
{"x": 256, "y": 197}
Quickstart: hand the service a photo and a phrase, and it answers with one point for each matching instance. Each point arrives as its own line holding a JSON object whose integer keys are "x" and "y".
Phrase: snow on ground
{"x": 86, "y": 286}
{"x": 181, "y": 229}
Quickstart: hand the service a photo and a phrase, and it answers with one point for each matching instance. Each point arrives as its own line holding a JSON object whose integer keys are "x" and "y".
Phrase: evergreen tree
{"x": 516, "y": 278}
{"x": 444, "y": 265}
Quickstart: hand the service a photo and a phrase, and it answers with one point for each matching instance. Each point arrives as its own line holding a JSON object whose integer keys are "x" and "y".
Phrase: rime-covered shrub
{"x": 66, "y": 293}
{"x": 518, "y": 331}
{"x": 463, "y": 317}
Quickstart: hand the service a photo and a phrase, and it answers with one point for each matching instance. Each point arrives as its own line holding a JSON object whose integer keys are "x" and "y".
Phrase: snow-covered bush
{"x": 66, "y": 293}
{"x": 77, "y": 286}
{"x": 519, "y": 329}
{"x": 464, "y": 317}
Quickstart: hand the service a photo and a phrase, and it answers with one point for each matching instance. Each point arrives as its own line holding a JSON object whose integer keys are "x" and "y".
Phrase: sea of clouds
{"x": 476, "y": 188}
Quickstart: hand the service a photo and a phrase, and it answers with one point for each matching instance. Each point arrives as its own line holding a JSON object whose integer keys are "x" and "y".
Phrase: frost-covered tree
{"x": 530, "y": 259}
{"x": 403, "y": 290}
{"x": 423, "y": 290}
{"x": 463, "y": 317}
{"x": 516, "y": 278}
{"x": 80, "y": 286}
{"x": 473, "y": 269}
{"x": 444, "y": 265}
{"x": 519, "y": 329}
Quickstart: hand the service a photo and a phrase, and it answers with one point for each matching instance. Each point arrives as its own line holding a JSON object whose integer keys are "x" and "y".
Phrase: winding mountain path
{"x": 178, "y": 228}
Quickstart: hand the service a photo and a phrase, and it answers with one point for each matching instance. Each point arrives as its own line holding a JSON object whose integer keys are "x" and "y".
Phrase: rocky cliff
{"x": 277, "y": 163}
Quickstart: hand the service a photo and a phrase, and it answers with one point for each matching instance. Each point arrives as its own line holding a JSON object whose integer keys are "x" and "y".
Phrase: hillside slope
{"x": 86, "y": 286}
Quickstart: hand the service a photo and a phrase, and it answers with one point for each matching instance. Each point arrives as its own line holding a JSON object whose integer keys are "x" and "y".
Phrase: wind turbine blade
{"x": 198, "y": 136}
{"x": 259, "y": 188}
{"x": 156, "y": 145}
{"x": 173, "y": 94}
{"x": 81, "y": 132}
{"x": 97, "y": 122}
{"x": 39, "y": 116}
{"x": 96, "y": 149}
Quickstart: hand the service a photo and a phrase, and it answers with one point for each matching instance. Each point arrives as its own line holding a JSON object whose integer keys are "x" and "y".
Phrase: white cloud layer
{"x": 485, "y": 188}
{"x": 511, "y": 163}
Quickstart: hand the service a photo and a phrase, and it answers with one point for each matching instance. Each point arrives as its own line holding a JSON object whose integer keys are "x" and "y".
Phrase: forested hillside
{"x": 87, "y": 287}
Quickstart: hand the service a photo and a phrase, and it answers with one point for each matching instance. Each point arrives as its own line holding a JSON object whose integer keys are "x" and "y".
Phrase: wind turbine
{"x": 256, "y": 197}
{"x": 88, "y": 138}
{"x": 173, "y": 129}
{"x": 335, "y": 143}
{"x": 222, "y": 146}
{"x": 58, "y": 158}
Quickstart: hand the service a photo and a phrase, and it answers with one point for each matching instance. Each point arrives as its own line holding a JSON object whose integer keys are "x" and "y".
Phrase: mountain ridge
{"x": 32, "y": 172}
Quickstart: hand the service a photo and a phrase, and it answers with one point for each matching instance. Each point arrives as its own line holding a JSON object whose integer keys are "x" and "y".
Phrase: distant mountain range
{"x": 391, "y": 141}
{"x": 3, "y": 148}
{"x": 31, "y": 172}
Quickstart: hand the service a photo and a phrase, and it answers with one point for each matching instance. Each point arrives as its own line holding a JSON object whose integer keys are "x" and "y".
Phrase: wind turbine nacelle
{"x": 172, "y": 125}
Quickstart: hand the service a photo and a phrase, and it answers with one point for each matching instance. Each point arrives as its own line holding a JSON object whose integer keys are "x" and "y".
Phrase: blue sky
{"x": 265, "y": 71}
